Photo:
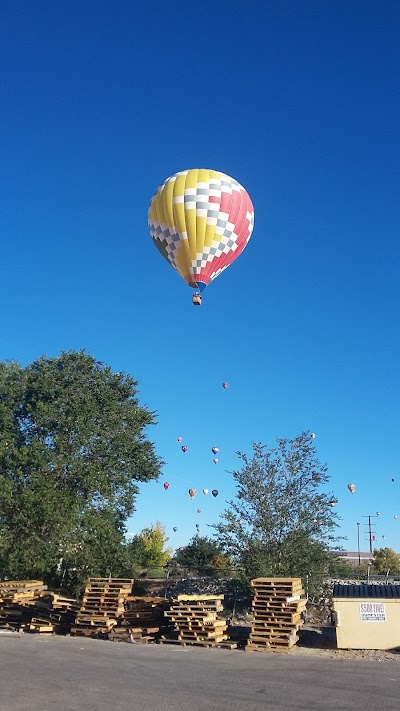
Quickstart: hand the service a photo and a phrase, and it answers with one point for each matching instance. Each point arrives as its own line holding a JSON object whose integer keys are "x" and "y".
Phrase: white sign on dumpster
{"x": 372, "y": 612}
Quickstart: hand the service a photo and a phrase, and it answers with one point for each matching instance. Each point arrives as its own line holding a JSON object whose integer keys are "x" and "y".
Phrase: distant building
{"x": 352, "y": 557}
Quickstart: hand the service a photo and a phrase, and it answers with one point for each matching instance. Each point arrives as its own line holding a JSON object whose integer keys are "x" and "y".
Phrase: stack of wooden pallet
{"x": 53, "y": 613}
{"x": 277, "y": 608}
{"x": 142, "y": 620}
{"x": 196, "y": 620}
{"x": 102, "y": 605}
{"x": 15, "y": 598}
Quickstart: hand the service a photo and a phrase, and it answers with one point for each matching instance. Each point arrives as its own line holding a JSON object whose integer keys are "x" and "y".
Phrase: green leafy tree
{"x": 282, "y": 520}
{"x": 204, "y": 556}
{"x": 147, "y": 548}
{"x": 385, "y": 559}
{"x": 73, "y": 447}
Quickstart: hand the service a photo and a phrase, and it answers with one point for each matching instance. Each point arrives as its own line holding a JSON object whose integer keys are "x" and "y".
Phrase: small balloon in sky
{"x": 332, "y": 503}
{"x": 393, "y": 481}
{"x": 198, "y": 510}
{"x": 215, "y": 492}
{"x": 378, "y": 513}
{"x": 184, "y": 448}
{"x": 395, "y": 516}
{"x": 192, "y": 493}
{"x": 351, "y": 488}
{"x": 313, "y": 435}
{"x": 215, "y": 450}
{"x": 175, "y": 529}
{"x": 179, "y": 439}
{"x": 166, "y": 486}
{"x": 205, "y": 492}
{"x": 215, "y": 460}
{"x": 225, "y": 385}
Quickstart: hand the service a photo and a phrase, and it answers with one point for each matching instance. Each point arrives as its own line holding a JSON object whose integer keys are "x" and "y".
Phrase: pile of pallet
{"x": 196, "y": 621}
{"x": 142, "y": 621}
{"x": 15, "y": 598}
{"x": 52, "y": 613}
{"x": 277, "y": 608}
{"x": 102, "y": 605}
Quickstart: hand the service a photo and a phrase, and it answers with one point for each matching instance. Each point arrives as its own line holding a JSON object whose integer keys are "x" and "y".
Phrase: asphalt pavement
{"x": 78, "y": 674}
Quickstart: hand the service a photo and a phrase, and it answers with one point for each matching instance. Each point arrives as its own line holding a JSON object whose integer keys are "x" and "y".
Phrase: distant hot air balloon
{"x": 332, "y": 503}
{"x": 313, "y": 435}
{"x": 378, "y": 513}
{"x": 205, "y": 492}
{"x": 197, "y": 526}
{"x": 200, "y": 221}
{"x": 395, "y": 516}
{"x": 383, "y": 536}
{"x": 175, "y": 529}
{"x": 351, "y": 488}
{"x": 215, "y": 460}
{"x": 215, "y": 450}
{"x": 166, "y": 486}
{"x": 179, "y": 439}
{"x": 215, "y": 492}
{"x": 393, "y": 481}
{"x": 198, "y": 510}
{"x": 225, "y": 385}
{"x": 184, "y": 448}
{"x": 374, "y": 538}
{"x": 192, "y": 493}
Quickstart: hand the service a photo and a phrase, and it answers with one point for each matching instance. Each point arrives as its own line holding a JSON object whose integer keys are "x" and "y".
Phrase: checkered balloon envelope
{"x": 201, "y": 221}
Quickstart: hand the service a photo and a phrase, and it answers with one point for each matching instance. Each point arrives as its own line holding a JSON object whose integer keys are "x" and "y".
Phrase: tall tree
{"x": 73, "y": 447}
{"x": 385, "y": 559}
{"x": 148, "y": 548}
{"x": 282, "y": 520}
{"x": 204, "y": 556}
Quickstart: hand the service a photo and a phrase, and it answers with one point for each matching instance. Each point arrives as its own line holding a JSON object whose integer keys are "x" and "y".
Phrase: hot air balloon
{"x": 184, "y": 448}
{"x": 215, "y": 492}
{"x": 393, "y": 481}
{"x": 198, "y": 510}
{"x": 378, "y": 513}
{"x": 166, "y": 486}
{"x": 383, "y": 536}
{"x": 215, "y": 460}
{"x": 313, "y": 435}
{"x": 192, "y": 493}
{"x": 205, "y": 492}
{"x": 395, "y": 516}
{"x": 200, "y": 221}
{"x": 225, "y": 385}
{"x": 351, "y": 488}
{"x": 179, "y": 439}
{"x": 215, "y": 450}
{"x": 332, "y": 503}
{"x": 175, "y": 529}
{"x": 197, "y": 526}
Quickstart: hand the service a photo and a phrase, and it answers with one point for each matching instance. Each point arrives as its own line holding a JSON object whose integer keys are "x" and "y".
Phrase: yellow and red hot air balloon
{"x": 200, "y": 221}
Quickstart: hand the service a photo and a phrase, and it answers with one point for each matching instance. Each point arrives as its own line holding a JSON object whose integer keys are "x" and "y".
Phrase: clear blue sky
{"x": 300, "y": 102}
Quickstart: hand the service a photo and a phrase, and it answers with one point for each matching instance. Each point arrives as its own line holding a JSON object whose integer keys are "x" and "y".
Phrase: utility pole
{"x": 358, "y": 544}
{"x": 370, "y": 531}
